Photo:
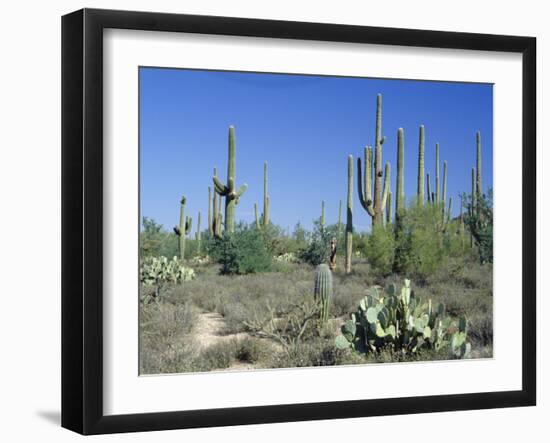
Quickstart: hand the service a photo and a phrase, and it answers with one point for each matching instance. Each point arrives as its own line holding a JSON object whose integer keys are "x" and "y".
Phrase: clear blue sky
{"x": 305, "y": 127}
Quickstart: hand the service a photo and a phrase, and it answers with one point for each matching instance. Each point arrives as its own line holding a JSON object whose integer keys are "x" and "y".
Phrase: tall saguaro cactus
{"x": 400, "y": 198}
{"x": 479, "y": 186}
{"x": 444, "y": 182}
{"x": 349, "y": 216}
{"x": 389, "y": 209}
{"x": 183, "y": 229}
{"x": 322, "y": 292}
{"x": 421, "y": 150}
{"x": 198, "y": 234}
{"x": 374, "y": 206}
{"x": 256, "y": 217}
{"x": 216, "y": 222}
{"x": 437, "y": 184}
{"x": 228, "y": 190}
{"x": 210, "y": 226}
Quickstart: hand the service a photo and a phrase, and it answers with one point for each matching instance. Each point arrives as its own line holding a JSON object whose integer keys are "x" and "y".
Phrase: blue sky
{"x": 305, "y": 127}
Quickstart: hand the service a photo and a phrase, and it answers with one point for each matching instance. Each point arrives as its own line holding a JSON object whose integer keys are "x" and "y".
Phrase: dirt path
{"x": 210, "y": 331}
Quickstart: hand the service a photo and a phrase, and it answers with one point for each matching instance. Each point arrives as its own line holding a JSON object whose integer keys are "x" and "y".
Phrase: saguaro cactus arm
{"x": 437, "y": 184}
{"x": 421, "y": 149}
{"x": 479, "y": 186}
{"x": 400, "y": 185}
{"x": 228, "y": 191}
{"x": 364, "y": 198}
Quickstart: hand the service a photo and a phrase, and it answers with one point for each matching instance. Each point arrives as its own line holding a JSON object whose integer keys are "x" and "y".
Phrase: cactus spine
{"x": 198, "y": 233}
{"x": 231, "y": 194}
{"x": 421, "y": 150}
{"x": 375, "y": 208}
{"x": 400, "y": 197}
{"x": 349, "y": 216}
{"x": 323, "y": 290}
{"x": 183, "y": 229}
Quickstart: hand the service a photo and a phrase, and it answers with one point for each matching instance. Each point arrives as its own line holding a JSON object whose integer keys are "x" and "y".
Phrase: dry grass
{"x": 171, "y": 343}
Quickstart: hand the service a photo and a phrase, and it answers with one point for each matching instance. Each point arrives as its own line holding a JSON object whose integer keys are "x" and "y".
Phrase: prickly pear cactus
{"x": 323, "y": 290}
{"x": 398, "y": 320}
{"x": 158, "y": 271}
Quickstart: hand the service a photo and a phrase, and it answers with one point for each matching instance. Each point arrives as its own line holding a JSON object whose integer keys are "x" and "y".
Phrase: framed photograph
{"x": 268, "y": 221}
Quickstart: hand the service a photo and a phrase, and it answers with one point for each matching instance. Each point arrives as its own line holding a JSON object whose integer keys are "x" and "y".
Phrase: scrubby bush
{"x": 317, "y": 250}
{"x": 251, "y": 350}
{"x": 219, "y": 355}
{"x": 241, "y": 252}
{"x": 479, "y": 220}
{"x": 379, "y": 250}
{"x": 155, "y": 241}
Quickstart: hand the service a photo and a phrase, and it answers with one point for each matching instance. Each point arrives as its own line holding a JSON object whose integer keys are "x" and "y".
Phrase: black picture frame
{"x": 82, "y": 215}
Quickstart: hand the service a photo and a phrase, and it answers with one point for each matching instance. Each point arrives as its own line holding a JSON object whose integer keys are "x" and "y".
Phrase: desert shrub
{"x": 166, "y": 338}
{"x": 479, "y": 220}
{"x": 219, "y": 355}
{"x": 342, "y": 302}
{"x": 317, "y": 250}
{"x": 420, "y": 246}
{"x": 379, "y": 250}
{"x": 241, "y": 252}
{"x": 155, "y": 241}
{"x": 251, "y": 350}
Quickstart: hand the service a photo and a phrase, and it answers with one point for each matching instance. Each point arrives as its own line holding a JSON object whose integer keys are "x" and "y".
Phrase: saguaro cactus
{"x": 389, "y": 209}
{"x": 374, "y": 207}
{"x": 228, "y": 191}
{"x": 323, "y": 290}
{"x": 437, "y": 184}
{"x": 210, "y": 226}
{"x": 183, "y": 229}
{"x": 349, "y": 217}
{"x": 429, "y": 188}
{"x": 421, "y": 149}
{"x": 256, "y": 217}
{"x": 198, "y": 233}
{"x": 479, "y": 186}
{"x": 400, "y": 185}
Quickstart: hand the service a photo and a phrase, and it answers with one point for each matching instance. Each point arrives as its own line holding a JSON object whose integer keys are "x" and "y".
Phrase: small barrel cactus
{"x": 323, "y": 290}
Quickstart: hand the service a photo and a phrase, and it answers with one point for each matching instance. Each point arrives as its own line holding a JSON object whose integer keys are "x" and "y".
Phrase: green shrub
{"x": 241, "y": 252}
{"x": 219, "y": 355}
{"x": 317, "y": 250}
{"x": 379, "y": 250}
{"x": 155, "y": 241}
{"x": 479, "y": 220}
{"x": 251, "y": 350}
